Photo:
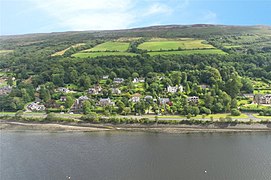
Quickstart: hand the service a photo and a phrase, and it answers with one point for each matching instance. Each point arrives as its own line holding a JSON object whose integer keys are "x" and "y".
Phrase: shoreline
{"x": 89, "y": 127}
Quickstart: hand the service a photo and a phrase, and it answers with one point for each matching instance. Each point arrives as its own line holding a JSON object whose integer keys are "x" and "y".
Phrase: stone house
{"x": 63, "y": 98}
{"x": 116, "y": 91}
{"x": 5, "y": 90}
{"x": 78, "y": 104}
{"x": 106, "y": 102}
{"x": 95, "y": 90}
{"x": 35, "y": 107}
{"x": 193, "y": 99}
{"x": 164, "y": 101}
{"x": 118, "y": 80}
{"x": 262, "y": 99}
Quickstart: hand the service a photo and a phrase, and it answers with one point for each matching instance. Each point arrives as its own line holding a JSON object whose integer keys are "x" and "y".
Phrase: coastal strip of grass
{"x": 215, "y": 116}
{"x": 261, "y": 117}
{"x": 96, "y": 54}
{"x": 189, "y": 52}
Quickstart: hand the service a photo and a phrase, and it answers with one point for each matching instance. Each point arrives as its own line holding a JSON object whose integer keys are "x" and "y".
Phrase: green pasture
{"x": 96, "y": 54}
{"x": 4, "y": 52}
{"x": 60, "y": 53}
{"x": 207, "y": 117}
{"x": 174, "y": 44}
{"x": 262, "y": 91}
{"x": 188, "y": 52}
{"x": 262, "y": 117}
{"x": 110, "y": 46}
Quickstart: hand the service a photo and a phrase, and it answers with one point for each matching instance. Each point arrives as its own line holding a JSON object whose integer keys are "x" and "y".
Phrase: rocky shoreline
{"x": 88, "y": 127}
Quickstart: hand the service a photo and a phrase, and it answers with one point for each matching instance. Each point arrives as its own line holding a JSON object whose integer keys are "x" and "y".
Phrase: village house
{"x": 139, "y": 80}
{"x": 37, "y": 100}
{"x": 116, "y": 91}
{"x": 38, "y": 88}
{"x": 193, "y": 99}
{"x": 105, "y": 77}
{"x": 106, "y": 102}
{"x": 174, "y": 89}
{"x": 35, "y": 107}
{"x": 118, "y": 80}
{"x": 150, "y": 98}
{"x": 204, "y": 86}
{"x": 135, "y": 98}
{"x": 5, "y": 90}
{"x": 63, "y": 98}
{"x": 262, "y": 99}
{"x": 250, "y": 96}
{"x": 95, "y": 90}
{"x": 63, "y": 90}
{"x": 78, "y": 104}
{"x": 164, "y": 101}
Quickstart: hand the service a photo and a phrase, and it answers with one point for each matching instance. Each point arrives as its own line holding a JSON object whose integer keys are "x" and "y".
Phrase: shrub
{"x": 91, "y": 117}
{"x": 235, "y": 112}
{"x": 19, "y": 114}
{"x": 50, "y": 117}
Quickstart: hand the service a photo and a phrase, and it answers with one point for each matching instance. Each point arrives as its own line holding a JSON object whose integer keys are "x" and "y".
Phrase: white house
{"x": 63, "y": 90}
{"x": 135, "y": 98}
{"x": 139, "y": 80}
{"x": 174, "y": 89}
{"x": 105, "y": 77}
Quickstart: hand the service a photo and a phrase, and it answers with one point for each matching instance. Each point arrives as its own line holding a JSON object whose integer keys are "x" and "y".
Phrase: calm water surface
{"x": 134, "y": 156}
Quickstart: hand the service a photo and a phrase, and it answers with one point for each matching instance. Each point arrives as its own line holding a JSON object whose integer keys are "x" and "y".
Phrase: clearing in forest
{"x": 96, "y": 54}
{"x": 60, "y": 53}
{"x": 160, "y": 44}
{"x": 188, "y": 52}
{"x": 110, "y": 46}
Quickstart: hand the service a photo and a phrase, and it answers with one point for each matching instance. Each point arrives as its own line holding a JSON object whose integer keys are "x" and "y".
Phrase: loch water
{"x": 134, "y": 156}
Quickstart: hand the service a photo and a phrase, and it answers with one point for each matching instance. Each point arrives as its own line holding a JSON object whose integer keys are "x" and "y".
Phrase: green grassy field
{"x": 232, "y": 46}
{"x": 264, "y": 91}
{"x": 262, "y": 117}
{"x": 4, "y": 52}
{"x": 96, "y": 54}
{"x": 60, "y": 53}
{"x": 157, "y": 45}
{"x": 215, "y": 116}
{"x": 188, "y": 52}
{"x": 110, "y": 46}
